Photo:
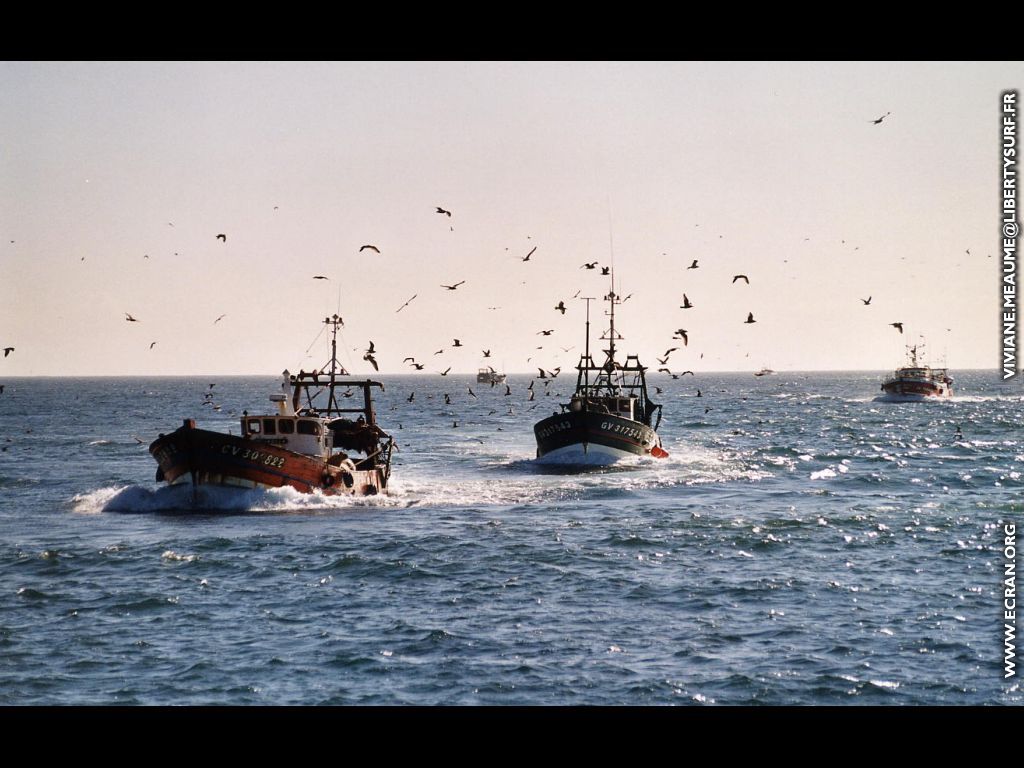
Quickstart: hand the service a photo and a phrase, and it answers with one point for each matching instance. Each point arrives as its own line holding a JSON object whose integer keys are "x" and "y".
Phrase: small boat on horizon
{"x": 916, "y": 382}
{"x": 766, "y": 371}
{"x": 609, "y": 416}
{"x": 305, "y": 445}
{"x": 489, "y": 376}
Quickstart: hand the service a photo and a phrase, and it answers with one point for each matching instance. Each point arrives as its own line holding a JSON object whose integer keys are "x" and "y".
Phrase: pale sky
{"x": 763, "y": 169}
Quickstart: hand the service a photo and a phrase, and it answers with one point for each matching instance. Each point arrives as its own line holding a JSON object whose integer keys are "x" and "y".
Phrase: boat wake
{"x": 138, "y": 499}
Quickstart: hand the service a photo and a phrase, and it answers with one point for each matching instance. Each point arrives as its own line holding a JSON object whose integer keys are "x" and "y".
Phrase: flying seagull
{"x": 487, "y": 352}
{"x": 320, "y": 277}
{"x": 527, "y": 256}
{"x": 219, "y": 319}
{"x": 8, "y": 350}
{"x": 442, "y": 210}
{"x": 406, "y": 304}
{"x": 897, "y": 326}
{"x": 867, "y": 301}
{"x": 445, "y": 371}
{"x": 373, "y": 248}
{"x": 686, "y": 303}
{"x": 750, "y": 318}
{"x": 222, "y": 237}
{"x": 737, "y": 277}
{"x": 545, "y": 333}
{"x": 453, "y": 287}
{"x": 457, "y": 343}
{"x": 152, "y": 345}
{"x": 589, "y": 265}
{"x": 372, "y": 360}
{"x": 879, "y": 120}
{"x": 694, "y": 265}
{"x": 560, "y": 307}
{"x": 681, "y": 334}
{"x": 129, "y": 318}
{"x": 605, "y": 270}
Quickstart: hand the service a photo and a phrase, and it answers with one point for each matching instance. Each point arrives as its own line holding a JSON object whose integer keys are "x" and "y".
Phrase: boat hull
{"x": 913, "y": 392}
{"x": 589, "y": 438}
{"x": 203, "y": 457}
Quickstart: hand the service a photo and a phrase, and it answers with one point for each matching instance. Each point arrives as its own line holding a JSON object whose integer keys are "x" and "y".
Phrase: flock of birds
{"x": 370, "y": 352}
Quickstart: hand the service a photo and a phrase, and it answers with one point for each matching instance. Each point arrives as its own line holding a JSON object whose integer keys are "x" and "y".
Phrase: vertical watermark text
{"x": 1009, "y": 599}
{"x": 1010, "y": 229}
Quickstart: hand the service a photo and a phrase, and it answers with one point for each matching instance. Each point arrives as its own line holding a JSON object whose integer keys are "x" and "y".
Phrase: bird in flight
{"x": 681, "y": 334}
{"x": 737, "y": 277}
{"x": 686, "y": 303}
{"x": 897, "y": 326}
{"x": 487, "y": 352}
{"x": 605, "y": 270}
{"x": 418, "y": 366}
{"x": 411, "y": 397}
{"x": 222, "y": 237}
{"x": 545, "y": 333}
{"x": 694, "y": 265}
{"x": 879, "y": 120}
{"x": 442, "y": 210}
{"x": 219, "y": 319}
{"x": 445, "y": 371}
{"x": 527, "y": 256}
{"x": 560, "y": 307}
{"x": 406, "y": 304}
{"x": 152, "y": 345}
{"x": 750, "y": 318}
{"x": 589, "y": 265}
{"x": 8, "y": 350}
{"x": 129, "y": 318}
{"x": 453, "y": 287}
{"x": 867, "y": 301}
{"x": 457, "y": 343}
{"x": 371, "y": 360}
{"x": 320, "y": 277}
{"x": 373, "y": 248}
{"x": 370, "y": 349}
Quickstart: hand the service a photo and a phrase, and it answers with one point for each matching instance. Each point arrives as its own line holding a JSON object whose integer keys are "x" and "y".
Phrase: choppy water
{"x": 801, "y": 545}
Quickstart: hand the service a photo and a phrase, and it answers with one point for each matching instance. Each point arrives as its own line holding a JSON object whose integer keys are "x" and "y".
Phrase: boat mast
{"x": 336, "y": 368}
{"x": 585, "y": 368}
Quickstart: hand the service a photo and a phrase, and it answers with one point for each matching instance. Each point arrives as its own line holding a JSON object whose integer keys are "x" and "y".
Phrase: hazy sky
{"x": 756, "y": 168}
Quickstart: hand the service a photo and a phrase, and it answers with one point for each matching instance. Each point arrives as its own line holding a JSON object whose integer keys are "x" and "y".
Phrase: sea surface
{"x": 802, "y": 545}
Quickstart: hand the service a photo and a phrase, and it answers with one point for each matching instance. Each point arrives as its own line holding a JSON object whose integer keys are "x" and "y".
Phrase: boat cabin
{"x": 625, "y": 407}
{"x": 295, "y": 433}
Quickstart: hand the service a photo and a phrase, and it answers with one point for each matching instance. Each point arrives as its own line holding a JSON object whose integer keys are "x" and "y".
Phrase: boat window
{"x": 268, "y": 427}
{"x": 254, "y": 426}
{"x": 306, "y": 427}
{"x": 286, "y": 426}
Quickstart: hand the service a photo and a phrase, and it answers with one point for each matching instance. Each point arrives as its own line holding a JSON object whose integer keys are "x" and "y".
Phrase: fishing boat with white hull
{"x": 916, "y": 382}
{"x": 305, "y": 445}
{"x": 609, "y": 417}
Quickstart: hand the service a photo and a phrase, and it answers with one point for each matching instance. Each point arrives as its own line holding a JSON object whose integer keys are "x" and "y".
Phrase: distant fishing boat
{"x": 915, "y": 382}
{"x": 305, "y": 445}
{"x": 766, "y": 371}
{"x": 609, "y": 416}
{"x": 489, "y": 376}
